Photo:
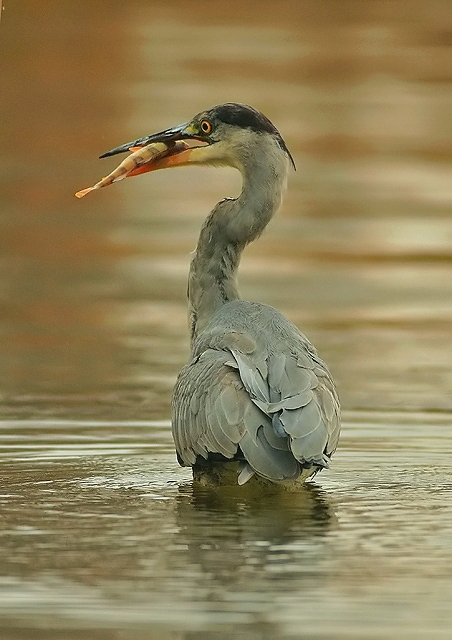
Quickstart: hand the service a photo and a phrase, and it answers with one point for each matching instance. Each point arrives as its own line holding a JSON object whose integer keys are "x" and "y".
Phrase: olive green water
{"x": 102, "y": 535}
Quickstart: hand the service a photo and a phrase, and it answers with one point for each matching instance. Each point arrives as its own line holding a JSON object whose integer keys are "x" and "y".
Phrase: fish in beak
{"x": 173, "y": 147}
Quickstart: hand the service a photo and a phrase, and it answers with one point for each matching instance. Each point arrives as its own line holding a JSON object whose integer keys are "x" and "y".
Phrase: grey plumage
{"x": 254, "y": 390}
{"x": 269, "y": 405}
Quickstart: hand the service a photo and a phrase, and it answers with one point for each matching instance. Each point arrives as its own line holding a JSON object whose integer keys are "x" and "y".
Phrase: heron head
{"x": 226, "y": 135}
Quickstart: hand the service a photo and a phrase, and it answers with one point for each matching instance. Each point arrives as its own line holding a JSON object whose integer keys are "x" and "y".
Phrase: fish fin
{"x": 83, "y": 192}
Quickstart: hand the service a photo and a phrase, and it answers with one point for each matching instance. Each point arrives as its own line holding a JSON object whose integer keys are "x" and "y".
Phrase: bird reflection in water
{"x": 248, "y": 539}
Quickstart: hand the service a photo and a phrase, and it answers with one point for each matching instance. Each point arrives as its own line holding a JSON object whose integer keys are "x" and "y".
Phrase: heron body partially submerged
{"x": 254, "y": 392}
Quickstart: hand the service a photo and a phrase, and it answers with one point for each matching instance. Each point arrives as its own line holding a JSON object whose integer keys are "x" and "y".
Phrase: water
{"x": 101, "y": 531}
{"x": 102, "y": 534}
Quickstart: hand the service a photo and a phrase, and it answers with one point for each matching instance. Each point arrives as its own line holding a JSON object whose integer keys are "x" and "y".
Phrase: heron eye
{"x": 205, "y": 126}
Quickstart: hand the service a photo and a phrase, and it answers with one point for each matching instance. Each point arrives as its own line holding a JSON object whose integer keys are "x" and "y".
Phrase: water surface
{"x": 102, "y": 534}
{"x": 101, "y": 530}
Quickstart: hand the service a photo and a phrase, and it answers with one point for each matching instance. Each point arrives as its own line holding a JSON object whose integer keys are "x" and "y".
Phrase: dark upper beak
{"x": 181, "y": 132}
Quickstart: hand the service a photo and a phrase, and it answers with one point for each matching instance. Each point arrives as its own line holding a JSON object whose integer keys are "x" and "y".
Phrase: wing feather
{"x": 268, "y": 462}
{"x": 279, "y": 409}
{"x": 255, "y": 384}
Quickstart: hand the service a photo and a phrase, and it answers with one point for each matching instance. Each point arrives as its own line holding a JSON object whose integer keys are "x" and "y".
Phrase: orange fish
{"x": 140, "y": 161}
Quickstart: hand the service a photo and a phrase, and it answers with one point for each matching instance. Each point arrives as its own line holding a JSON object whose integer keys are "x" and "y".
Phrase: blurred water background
{"x": 101, "y": 534}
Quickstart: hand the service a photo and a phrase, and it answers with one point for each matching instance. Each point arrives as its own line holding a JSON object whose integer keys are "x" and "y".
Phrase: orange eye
{"x": 205, "y": 126}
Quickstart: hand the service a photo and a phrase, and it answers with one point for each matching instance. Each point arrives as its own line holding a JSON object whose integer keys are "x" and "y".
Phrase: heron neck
{"x": 231, "y": 225}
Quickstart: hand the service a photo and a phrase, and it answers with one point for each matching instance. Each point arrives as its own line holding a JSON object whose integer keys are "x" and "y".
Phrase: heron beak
{"x": 166, "y": 136}
{"x": 173, "y": 147}
{"x": 182, "y": 142}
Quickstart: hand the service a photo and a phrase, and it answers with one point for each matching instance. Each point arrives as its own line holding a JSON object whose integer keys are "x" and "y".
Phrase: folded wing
{"x": 278, "y": 413}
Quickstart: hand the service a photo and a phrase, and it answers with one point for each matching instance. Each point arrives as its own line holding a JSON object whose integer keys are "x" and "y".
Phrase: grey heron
{"x": 255, "y": 399}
